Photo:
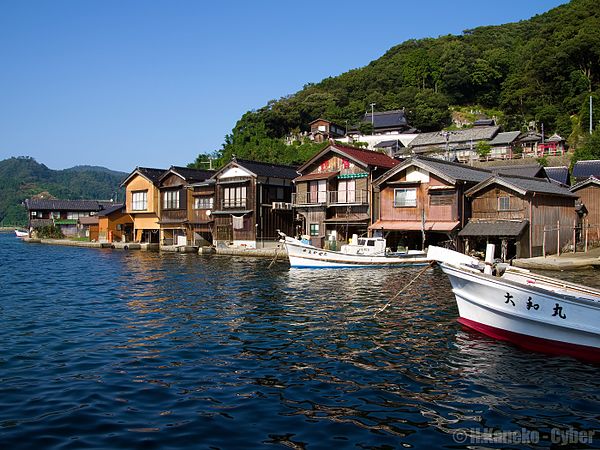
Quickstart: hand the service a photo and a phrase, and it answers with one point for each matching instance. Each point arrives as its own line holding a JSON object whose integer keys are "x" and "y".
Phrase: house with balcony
{"x": 422, "y": 201}
{"x": 142, "y": 198}
{"x": 322, "y": 130}
{"x": 252, "y": 201}
{"x": 334, "y": 198}
{"x": 182, "y": 207}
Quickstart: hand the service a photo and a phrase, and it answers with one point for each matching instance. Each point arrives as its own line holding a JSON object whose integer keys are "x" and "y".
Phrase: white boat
{"x": 21, "y": 234}
{"x": 533, "y": 311}
{"x": 367, "y": 252}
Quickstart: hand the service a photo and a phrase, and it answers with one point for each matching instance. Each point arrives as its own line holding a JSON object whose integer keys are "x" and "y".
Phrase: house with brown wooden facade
{"x": 182, "y": 211}
{"x": 422, "y": 201}
{"x": 588, "y": 208}
{"x": 142, "y": 198}
{"x": 252, "y": 201}
{"x": 523, "y": 216}
{"x": 334, "y": 193}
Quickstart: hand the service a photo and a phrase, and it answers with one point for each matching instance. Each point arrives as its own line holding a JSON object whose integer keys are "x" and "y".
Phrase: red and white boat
{"x": 533, "y": 311}
{"x": 21, "y": 234}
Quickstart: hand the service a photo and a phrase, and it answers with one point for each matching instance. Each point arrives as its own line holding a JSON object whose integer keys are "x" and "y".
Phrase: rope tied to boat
{"x": 421, "y": 272}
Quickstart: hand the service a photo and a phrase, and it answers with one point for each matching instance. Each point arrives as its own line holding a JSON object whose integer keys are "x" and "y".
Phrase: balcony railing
{"x": 236, "y": 203}
{"x": 330, "y": 198}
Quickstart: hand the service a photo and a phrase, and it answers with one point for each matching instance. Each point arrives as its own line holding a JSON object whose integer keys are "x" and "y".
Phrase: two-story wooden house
{"x": 181, "y": 208}
{"x": 61, "y": 213}
{"x": 588, "y": 192}
{"x": 422, "y": 202}
{"x": 252, "y": 202}
{"x": 334, "y": 198}
{"x": 142, "y": 203}
{"x": 523, "y": 216}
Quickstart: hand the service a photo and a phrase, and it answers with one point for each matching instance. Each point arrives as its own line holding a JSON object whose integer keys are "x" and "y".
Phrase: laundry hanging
{"x": 238, "y": 222}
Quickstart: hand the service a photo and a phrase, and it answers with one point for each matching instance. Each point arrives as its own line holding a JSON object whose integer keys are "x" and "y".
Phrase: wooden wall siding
{"x": 172, "y": 181}
{"x": 485, "y": 205}
{"x": 250, "y": 194}
{"x": 448, "y": 210}
{"x": 224, "y": 224}
{"x": 590, "y": 197}
{"x": 548, "y": 210}
{"x": 332, "y": 163}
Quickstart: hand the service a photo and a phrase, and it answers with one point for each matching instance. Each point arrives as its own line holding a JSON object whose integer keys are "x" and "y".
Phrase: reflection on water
{"x": 111, "y": 349}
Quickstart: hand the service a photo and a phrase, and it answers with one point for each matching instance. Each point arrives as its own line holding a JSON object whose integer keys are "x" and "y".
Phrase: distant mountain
{"x": 23, "y": 177}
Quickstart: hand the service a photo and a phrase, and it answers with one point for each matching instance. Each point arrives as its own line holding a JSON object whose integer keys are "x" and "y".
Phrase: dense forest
{"x": 24, "y": 177}
{"x": 543, "y": 69}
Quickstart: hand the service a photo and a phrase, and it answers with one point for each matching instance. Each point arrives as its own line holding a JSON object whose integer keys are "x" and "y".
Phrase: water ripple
{"x": 109, "y": 349}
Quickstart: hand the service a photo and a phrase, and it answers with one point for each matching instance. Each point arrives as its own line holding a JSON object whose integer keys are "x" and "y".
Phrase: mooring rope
{"x": 421, "y": 272}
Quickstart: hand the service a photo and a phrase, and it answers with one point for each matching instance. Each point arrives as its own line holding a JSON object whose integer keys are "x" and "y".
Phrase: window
{"x": 405, "y": 197}
{"x": 171, "y": 200}
{"x": 346, "y": 191}
{"x": 318, "y": 191}
{"x": 139, "y": 201}
{"x": 441, "y": 198}
{"x": 203, "y": 202}
{"x": 77, "y": 215}
{"x": 503, "y": 203}
{"x": 33, "y": 213}
{"x": 314, "y": 229}
{"x": 234, "y": 197}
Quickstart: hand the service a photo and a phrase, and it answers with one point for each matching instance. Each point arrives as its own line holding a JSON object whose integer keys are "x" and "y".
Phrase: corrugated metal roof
{"x": 111, "y": 209}
{"x": 585, "y": 169}
{"x": 497, "y": 228}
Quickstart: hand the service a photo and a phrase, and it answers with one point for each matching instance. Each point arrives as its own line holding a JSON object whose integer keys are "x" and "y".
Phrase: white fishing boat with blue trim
{"x": 365, "y": 252}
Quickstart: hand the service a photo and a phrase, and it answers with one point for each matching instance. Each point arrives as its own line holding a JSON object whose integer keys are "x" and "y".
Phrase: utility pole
{"x": 373, "y": 117}
{"x": 591, "y": 121}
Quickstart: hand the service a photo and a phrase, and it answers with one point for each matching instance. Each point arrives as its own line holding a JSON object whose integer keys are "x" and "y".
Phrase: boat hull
{"x": 21, "y": 234}
{"x": 309, "y": 257}
{"x": 530, "y": 317}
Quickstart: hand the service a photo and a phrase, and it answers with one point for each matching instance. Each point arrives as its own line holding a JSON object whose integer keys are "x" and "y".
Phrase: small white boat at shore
{"x": 533, "y": 311}
{"x": 367, "y": 252}
{"x": 21, "y": 234}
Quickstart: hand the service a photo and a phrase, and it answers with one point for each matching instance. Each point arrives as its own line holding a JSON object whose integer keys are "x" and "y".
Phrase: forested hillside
{"x": 23, "y": 177}
{"x": 543, "y": 69}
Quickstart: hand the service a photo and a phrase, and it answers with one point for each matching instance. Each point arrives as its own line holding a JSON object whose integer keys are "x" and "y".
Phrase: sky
{"x": 126, "y": 83}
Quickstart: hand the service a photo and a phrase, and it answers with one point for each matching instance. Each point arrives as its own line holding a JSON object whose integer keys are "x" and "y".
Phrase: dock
{"x": 566, "y": 261}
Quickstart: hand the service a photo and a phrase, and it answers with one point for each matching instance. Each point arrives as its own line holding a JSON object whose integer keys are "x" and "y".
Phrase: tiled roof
{"x": 531, "y": 136}
{"x": 584, "y": 183}
{"x": 262, "y": 169}
{"x": 524, "y": 185}
{"x": 447, "y": 170}
{"x": 585, "y": 169}
{"x": 387, "y": 119}
{"x": 500, "y": 228}
{"x": 387, "y": 144}
{"x": 559, "y": 174}
{"x": 191, "y": 175}
{"x": 522, "y": 170}
{"x": 150, "y": 173}
{"x": 368, "y": 157}
{"x": 111, "y": 209}
{"x": 505, "y": 138}
{"x": 458, "y": 136}
{"x": 65, "y": 205}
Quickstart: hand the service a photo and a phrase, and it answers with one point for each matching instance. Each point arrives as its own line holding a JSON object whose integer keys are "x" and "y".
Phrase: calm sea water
{"x": 114, "y": 349}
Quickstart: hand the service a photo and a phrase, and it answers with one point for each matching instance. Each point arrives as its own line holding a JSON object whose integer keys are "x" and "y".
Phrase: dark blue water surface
{"x": 116, "y": 349}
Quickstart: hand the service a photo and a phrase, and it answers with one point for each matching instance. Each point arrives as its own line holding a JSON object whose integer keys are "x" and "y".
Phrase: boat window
{"x": 371, "y": 243}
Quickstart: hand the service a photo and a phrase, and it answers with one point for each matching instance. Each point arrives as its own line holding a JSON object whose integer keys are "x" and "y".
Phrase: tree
{"x": 483, "y": 149}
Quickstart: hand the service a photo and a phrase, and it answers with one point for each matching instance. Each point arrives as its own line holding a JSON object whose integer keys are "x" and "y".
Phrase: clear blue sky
{"x": 122, "y": 83}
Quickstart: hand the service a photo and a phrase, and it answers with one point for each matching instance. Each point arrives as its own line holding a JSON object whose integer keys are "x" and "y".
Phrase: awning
{"x": 91, "y": 220}
{"x": 413, "y": 225}
{"x": 173, "y": 222}
{"x": 316, "y": 176}
{"x": 500, "y": 228}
